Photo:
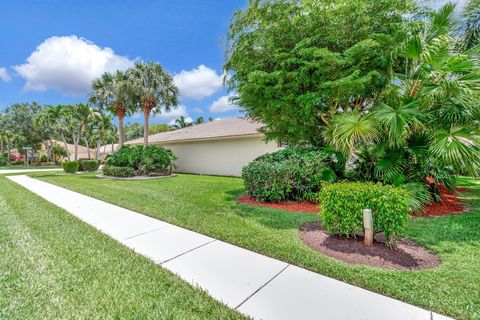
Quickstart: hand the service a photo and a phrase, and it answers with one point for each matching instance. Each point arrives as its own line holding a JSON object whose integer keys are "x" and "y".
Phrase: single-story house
{"x": 82, "y": 151}
{"x": 220, "y": 147}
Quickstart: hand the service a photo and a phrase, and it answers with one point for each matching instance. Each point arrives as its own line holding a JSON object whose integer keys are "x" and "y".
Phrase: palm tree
{"x": 182, "y": 123}
{"x": 425, "y": 124}
{"x": 47, "y": 124}
{"x": 470, "y": 36}
{"x": 58, "y": 114}
{"x": 102, "y": 130}
{"x": 154, "y": 89}
{"x": 112, "y": 92}
{"x": 199, "y": 120}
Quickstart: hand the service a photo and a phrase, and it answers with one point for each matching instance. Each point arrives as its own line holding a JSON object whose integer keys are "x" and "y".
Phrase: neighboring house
{"x": 108, "y": 149}
{"x": 82, "y": 151}
{"x": 220, "y": 147}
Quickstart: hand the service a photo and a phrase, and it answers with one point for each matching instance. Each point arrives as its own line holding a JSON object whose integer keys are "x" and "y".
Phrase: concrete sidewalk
{"x": 253, "y": 284}
{"x": 10, "y": 171}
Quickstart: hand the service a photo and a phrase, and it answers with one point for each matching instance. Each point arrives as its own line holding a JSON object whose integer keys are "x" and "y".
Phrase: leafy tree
{"x": 199, "y": 120}
{"x": 153, "y": 89}
{"x": 102, "y": 129}
{"x": 158, "y": 127}
{"x": 133, "y": 130}
{"x": 112, "y": 92}
{"x": 296, "y": 63}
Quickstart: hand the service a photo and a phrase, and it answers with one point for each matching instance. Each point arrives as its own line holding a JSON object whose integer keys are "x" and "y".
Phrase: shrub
{"x": 89, "y": 165}
{"x": 156, "y": 160}
{"x": 70, "y": 166}
{"x": 342, "y": 204}
{"x": 17, "y": 162}
{"x": 43, "y": 158}
{"x": 289, "y": 174}
{"x": 3, "y": 161}
{"x": 118, "y": 171}
{"x": 152, "y": 159}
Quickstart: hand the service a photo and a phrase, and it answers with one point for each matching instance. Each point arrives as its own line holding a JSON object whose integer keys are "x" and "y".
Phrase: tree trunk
{"x": 88, "y": 148}
{"x": 146, "y": 115}
{"x": 65, "y": 146}
{"x": 1, "y": 147}
{"x": 98, "y": 150}
{"x": 75, "y": 144}
{"x": 8, "y": 151}
{"x": 121, "y": 115}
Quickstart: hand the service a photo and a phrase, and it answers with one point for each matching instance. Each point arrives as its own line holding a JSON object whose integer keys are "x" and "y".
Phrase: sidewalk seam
{"x": 261, "y": 287}
{"x": 181, "y": 254}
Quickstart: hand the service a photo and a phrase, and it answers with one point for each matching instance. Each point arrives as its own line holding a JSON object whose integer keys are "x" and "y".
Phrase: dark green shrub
{"x": 118, "y": 171}
{"x": 289, "y": 174}
{"x": 342, "y": 204}
{"x": 89, "y": 165}
{"x": 70, "y": 166}
{"x": 156, "y": 160}
{"x": 149, "y": 160}
{"x": 43, "y": 158}
{"x": 17, "y": 162}
{"x": 3, "y": 161}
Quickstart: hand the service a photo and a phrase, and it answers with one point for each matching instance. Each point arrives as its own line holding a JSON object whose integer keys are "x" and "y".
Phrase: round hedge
{"x": 70, "y": 166}
{"x": 288, "y": 174}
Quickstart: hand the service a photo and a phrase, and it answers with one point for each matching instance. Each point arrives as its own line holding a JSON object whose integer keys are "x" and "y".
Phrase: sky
{"x": 52, "y": 49}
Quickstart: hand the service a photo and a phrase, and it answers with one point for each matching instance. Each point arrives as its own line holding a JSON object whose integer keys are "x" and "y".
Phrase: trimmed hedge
{"x": 288, "y": 174}
{"x": 70, "y": 166}
{"x": 342, "y": 204}
{"x": 89, "y": 165}
{"x": 118, "y": 171}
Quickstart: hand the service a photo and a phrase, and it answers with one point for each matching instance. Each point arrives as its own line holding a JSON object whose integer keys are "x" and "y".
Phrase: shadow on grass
{"x": 268, "y": 217}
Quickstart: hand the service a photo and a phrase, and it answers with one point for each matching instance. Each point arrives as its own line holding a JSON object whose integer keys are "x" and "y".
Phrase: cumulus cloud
{"x": 68, "y": 64}
{"x": 4, "y": 75}
{"x": 174, "y": 114}
{"x": 198, "y": 83}
{"x": 222, "y": 104}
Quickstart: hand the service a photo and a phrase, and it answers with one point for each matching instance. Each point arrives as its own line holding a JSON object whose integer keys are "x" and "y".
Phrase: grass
{"x": 207, "y": 204}
{"x": 13, "y": 167}
{"x": 53, "y": 266}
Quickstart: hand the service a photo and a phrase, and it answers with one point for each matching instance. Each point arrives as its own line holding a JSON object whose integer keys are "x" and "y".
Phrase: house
{"x": 220, "y": 147}
{"x": 82, "y": 150}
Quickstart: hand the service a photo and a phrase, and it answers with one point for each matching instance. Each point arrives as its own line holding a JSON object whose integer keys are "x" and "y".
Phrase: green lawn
{"x": 53, "y": 266}
{"x": 27, "y": 167}
{"x": 206, "y": 204}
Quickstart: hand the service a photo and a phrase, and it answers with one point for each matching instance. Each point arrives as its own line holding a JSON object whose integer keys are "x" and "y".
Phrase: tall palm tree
{"x": 153, "y": 89}
{"x": 112, "y": 92}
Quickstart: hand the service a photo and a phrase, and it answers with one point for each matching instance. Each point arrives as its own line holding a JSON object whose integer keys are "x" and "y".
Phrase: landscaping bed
{"x": 407, "y": 255}
{"x": 450, "y": 203}
{"x": 292, "y": 206}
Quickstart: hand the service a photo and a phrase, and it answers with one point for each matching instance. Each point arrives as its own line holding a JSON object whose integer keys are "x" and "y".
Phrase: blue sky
{"x": 53, "y": 48}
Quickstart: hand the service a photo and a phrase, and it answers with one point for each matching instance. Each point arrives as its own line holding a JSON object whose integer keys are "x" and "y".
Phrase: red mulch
{"x": 450, "y": 203}
{"x": 291, "y": 206}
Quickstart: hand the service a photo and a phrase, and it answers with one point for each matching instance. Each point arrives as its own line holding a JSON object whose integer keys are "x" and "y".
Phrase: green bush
{"x": 89, "y": 165}
{"x": 288, "y": 174}
{"x": 342, "y": 204}
{"x": 149, "y": 160}
{"x": 156, "y": 160}
{"x": 118, "y": 171}
{"x": 70, "y": 166}
{"x": 43, "y": 158}
{"x": 3, "y": 161}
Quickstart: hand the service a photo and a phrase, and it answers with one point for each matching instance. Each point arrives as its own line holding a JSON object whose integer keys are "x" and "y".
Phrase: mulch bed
{"x": 407, "y": 255}
{"x": 292, "y": 206}
{"x": 450, "y": 203}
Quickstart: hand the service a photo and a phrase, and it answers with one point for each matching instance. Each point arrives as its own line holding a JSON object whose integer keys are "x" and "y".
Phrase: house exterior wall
{"x": 225, "y": 157}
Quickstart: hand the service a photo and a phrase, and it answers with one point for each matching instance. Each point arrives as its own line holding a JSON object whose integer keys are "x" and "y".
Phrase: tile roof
{"x": 232, "y": 127}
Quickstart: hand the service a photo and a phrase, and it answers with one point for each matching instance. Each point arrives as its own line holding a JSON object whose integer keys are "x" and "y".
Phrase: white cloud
{"x": 222, "y": 104}
{"x": 174, "y": 114}
{"x": 68, "y": 64}
{"x": 4, "y": 75}
{"x": 198, "y": 110}
{"x": 198, "y": 83}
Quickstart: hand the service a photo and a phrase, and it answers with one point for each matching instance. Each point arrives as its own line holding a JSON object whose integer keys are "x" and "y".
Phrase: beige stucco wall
{"x": 224, "y": 157}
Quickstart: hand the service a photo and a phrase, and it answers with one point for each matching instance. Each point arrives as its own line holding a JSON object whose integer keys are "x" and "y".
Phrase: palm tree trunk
{"x": 88, "y": 148}
{"x": 120, "y": 115}
{"x": 8, "y": 151}
{"x": 1, "y": 147}
{"x": 98, "y": 150}
{"x": 146, "y": 114}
